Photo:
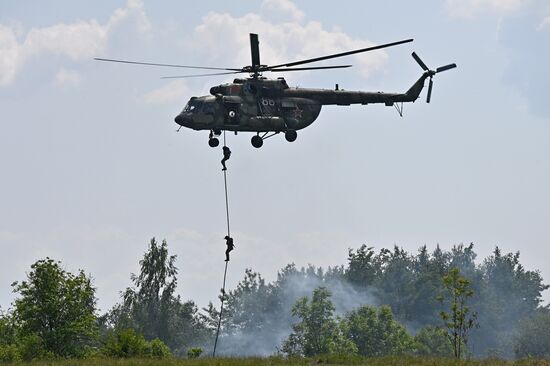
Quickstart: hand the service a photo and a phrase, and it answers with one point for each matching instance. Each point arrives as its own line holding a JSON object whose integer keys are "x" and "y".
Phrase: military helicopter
{"x": 269, "y": 106}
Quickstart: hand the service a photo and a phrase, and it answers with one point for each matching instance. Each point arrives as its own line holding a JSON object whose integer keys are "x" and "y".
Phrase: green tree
{"x": 249, "y": 316}
{"x": 533, "y": 338}
{"x": 362, "y": 269}
{"x": 318, "y": 332}
{"x": 507, "y": 294}
{"x": 433, "y": 341}
{"x": 153, "y": 309}
{"x": 427, "y": 274}
{"x": 458, "y": 321}
{"x": 152, "y": 297}
{"x": 395, "y": 282}
{"x": 375, "y": 332}
{"x": 55, "y": 311}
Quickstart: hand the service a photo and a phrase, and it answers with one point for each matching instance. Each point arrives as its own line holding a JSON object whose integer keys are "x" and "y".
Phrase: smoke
{"x": 250, "y": 333}
{"x": 259, "y": 315}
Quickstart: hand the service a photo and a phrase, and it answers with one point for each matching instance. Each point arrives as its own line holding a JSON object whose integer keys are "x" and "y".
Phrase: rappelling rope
{"x": 227, "y": 262}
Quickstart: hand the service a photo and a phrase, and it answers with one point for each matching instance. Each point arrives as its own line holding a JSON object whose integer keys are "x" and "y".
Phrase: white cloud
{"x": 470, "y": 8}
{"x": 10, "y": 55}
{"x": 174, "y": 91}
{"x": 79, "y": 40}
{"x": 281, "y": 9}
{"x": 545, "y": 23}
{"x": 67, "y": 78}
{"x": 76, "y": 41}
{"x": 280, "y": 42}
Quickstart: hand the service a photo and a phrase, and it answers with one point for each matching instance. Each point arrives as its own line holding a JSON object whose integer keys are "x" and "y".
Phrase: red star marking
{"x": 235, "y": 89}
{"x": 298, "y": 112}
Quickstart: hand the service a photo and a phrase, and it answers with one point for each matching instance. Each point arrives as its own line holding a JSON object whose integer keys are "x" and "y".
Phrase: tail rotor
{"x": 430, "y": 73}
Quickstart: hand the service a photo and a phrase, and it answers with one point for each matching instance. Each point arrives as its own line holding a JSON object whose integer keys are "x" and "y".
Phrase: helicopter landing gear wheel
{"x": 257, "y": 141}
{"x": 291, "y": 135}
{"x": 213, "y": 142}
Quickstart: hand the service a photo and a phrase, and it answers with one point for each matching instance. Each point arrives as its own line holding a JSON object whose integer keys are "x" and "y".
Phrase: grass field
{"x": 275, "y": 361}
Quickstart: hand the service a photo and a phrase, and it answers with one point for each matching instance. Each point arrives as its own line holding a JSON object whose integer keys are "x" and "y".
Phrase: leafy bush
{"x": 194, "y": 352}
{"x": 433, "y": 341}
{"x": 159, "y": 349}
{"x": 31, "y": 347}
{"x": 126, "y": 343}
{"x": 9, "y": 353}
{"x": 375, "y": 332}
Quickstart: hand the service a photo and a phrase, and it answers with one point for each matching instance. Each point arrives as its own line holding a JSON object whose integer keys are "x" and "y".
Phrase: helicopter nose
{"x": 180, "y": 120}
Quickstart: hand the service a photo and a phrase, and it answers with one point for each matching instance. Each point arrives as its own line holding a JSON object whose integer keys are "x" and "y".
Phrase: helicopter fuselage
{"x": 250, "y": 105}
{"x": 270, "y": 105}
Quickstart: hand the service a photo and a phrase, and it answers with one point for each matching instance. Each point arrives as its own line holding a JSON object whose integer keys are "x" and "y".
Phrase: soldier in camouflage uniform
{"x": 226, "y": 156}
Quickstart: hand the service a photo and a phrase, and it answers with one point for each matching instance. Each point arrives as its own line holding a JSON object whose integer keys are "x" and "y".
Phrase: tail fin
{"x": 414, "y": 91}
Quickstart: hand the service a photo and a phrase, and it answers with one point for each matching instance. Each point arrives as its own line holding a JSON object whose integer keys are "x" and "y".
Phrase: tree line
{"x": 387, "y": 302}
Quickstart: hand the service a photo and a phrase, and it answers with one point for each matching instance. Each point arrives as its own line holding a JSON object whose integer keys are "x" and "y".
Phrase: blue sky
{"x": 93, "y": 168}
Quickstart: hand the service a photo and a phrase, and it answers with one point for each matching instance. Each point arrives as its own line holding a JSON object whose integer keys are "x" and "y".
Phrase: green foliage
{"x": 433, "y": 341}
{"x": 362, "y": 269}
{"x": 9, "y": 353}
{"x": 329, "y": 360}
{"x": 159, "y": 349}
{"x": 7, "y": 329}
{"x": 506, "y": 294}
{"x": 195, "y": 352}
{"x": 458, "y": 320}
{"x": 148, "y": 305}
{"x": 55, "y": 311}
{"x": 127, "y": 343}
{"x": 375, "y": 332}
{"x": 31, "y": 347}
{"x": 245, "y": 312}
{"x": 153, "y": 309}
{"x": 258, "y": 314}
{"x": 318, "y": 332}
{"x": 533, "y": 338}
{"x": 395, "y": 282}
{"x": 406, "y": 282}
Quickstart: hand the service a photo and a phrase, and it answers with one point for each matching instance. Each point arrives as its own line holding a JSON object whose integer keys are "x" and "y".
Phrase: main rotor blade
{"x": 446, "y": 67}
{"x": 420, "y": 62}
{"x": 254, "y": 50}
{"x": 165, "y": 65}
{"x": 301, "y": 62}
{"x": 430, "y": 91}
{"x": 200, "y": 75}
{"x": 310, "y": 68}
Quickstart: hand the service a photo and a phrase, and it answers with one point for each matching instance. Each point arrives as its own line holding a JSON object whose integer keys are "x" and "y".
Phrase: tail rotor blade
{"x": 446, "y": 67}
{"x": 430, "y": 91}
{"x": 420, "y": 62}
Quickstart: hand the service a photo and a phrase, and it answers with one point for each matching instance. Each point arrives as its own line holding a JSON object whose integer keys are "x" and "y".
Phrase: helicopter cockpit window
{"x": 208, "y": 108}
{"x": 193, "y": 106}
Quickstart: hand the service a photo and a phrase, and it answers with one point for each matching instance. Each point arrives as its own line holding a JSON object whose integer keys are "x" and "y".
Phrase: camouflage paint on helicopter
{"x": 252, "y": 105}
{"x": 260, "y": 105}
{"x": 269, "y": 105}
